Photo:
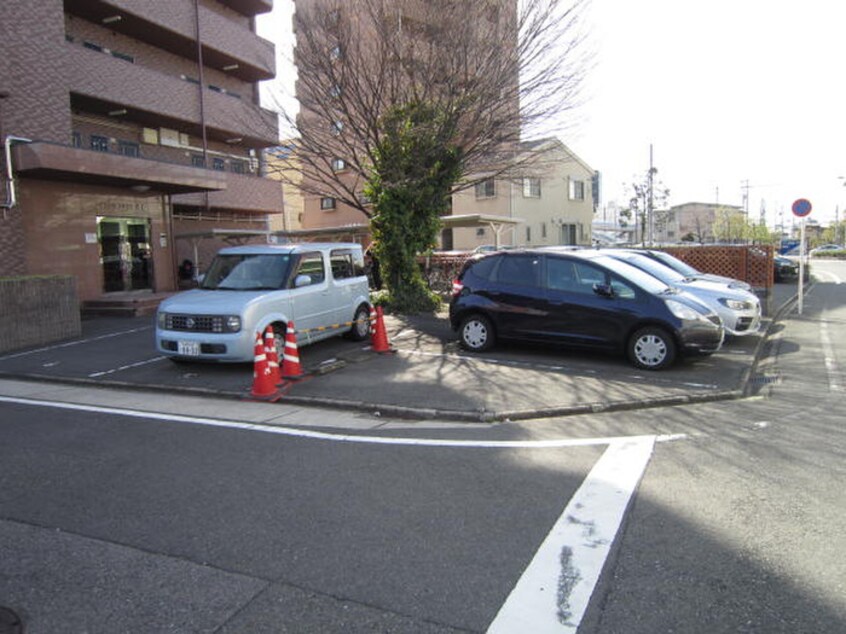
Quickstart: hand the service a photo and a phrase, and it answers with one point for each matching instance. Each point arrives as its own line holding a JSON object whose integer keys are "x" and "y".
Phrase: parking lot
{"x": 427, "y": 376}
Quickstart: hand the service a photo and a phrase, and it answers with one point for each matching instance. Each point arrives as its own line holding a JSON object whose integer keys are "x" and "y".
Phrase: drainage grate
{"x": 10, "y": 623}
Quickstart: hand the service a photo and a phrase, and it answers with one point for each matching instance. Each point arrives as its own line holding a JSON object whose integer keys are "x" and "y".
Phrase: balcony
{"x": 50, "y": 161}
{"x": 227, "y": 44}
{"x": 101, "y": 83}
{"x": 248, "y": 194}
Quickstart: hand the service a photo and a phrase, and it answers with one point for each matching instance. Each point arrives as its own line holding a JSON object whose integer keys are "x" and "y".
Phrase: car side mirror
{"x": 302, "y": 280}
{"x": 603, "y": 290}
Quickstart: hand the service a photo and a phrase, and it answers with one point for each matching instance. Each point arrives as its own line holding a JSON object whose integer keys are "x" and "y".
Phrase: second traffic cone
{"x": 379, "y": 337}
{"x": 291, "y": 368}
{"x": 272, "y": 357}
{"x": 264, "y": 387}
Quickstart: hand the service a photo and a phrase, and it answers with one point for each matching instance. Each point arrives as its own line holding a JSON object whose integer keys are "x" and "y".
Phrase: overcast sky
{"x": 728, "y": 92}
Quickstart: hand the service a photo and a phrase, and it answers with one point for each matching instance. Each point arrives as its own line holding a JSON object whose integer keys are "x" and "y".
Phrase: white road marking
{"x": 70, "y": 344}
{"x": 316, "y": 435}
{"x": 555, "y": 589}
{"x": 829, "y": 359}
{"x": 125, "y": 367}
{"x": 834, "y": 278}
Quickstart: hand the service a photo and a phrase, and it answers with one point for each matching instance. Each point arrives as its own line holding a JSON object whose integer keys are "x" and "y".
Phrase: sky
{"x": 733, "y": 96}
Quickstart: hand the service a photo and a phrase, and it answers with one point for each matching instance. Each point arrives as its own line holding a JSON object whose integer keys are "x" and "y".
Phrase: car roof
{"x": 270, "y": 249}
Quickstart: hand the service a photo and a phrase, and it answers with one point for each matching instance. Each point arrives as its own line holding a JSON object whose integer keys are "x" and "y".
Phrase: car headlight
{"x": 735, "y": 304}
{"x": 233, "y": 323}
{"x": 161, "y": 319}
{"x": 683, "y": 311}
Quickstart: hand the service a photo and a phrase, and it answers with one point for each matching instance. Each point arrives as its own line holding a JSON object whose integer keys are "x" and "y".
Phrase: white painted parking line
{"x": 125, "y": 367}
{"x": 555, "y": 589}
{"x": 70, "y": 344}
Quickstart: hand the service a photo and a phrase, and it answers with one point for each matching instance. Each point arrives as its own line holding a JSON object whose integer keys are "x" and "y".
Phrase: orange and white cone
{"x": 378, "y": 335}
{"x": 264, "y": 387}
{"x": 291, "y": 368}
{"x": 272, "y": 357}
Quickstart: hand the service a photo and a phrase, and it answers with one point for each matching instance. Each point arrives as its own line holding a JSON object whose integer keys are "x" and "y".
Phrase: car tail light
{"x": 457, "y": 287}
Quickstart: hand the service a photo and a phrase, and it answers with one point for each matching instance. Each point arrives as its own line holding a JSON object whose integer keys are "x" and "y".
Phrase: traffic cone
{"x": 291, "y": 368}
{"x": 264, "y": 387}
{"x": 272, "y": 357}
{"x": 378, "y": 335}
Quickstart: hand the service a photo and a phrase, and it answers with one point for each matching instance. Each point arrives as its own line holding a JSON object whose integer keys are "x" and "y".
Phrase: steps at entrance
{"x": 123, "y": 304}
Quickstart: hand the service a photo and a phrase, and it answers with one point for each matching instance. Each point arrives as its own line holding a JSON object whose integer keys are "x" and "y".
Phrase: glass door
{"x": 125, "y": 254}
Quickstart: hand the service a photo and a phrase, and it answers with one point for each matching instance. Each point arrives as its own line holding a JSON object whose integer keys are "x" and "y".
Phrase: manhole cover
{"x": 10, "y": 623}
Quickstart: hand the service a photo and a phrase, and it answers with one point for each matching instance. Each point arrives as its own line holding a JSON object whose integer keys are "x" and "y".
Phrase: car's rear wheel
{"x": 476, "y": 333}
{"x": 652, "y": 348}
{"x": 361, "y": 328}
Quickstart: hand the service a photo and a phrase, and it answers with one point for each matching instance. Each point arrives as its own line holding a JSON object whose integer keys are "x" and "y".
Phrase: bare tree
{"x": 501, "y": 72}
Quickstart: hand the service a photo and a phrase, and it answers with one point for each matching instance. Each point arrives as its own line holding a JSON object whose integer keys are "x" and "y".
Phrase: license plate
{"x": 188, "y": 348}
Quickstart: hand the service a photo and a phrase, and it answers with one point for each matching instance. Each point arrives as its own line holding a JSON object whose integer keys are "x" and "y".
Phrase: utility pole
{"x": 650, "y": 200}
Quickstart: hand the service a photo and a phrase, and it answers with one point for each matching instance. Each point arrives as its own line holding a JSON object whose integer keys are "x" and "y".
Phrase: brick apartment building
{"x": 324, "y": 213}
{"x": 134, "y": 129}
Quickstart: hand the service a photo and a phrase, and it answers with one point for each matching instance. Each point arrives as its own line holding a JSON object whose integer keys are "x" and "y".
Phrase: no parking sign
{"x": 801, "y": 207}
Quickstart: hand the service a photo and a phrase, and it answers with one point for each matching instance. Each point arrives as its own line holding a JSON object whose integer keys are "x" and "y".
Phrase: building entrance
{"x": 125, "y": 253}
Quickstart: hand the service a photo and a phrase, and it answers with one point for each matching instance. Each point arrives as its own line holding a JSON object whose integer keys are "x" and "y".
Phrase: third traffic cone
{"x": 291, "y": 368}
{"x": 378, "y": 335}
{"x": 264, "y": 387}
{"x": 272, "y": 357}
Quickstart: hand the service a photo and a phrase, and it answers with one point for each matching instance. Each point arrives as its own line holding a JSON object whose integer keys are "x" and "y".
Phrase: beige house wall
{"x": 553, "y": 218}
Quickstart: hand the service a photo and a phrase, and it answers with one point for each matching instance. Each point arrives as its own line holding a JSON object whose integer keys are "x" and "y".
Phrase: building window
{"x": 327, "y": 203}
{"x": 531, "y": 188}
{"x": 99, "y": 143}
{"x": 129, "y": 149}
{"x": 577, "y": 190}
{"x": 76, "y": 139}
{"x": 480, "y": 232}
{"x": 238, "y": 167}
{"x": 197, "y": 160}
{"x": 569, "y": 235}
{"x": 543, "y": 230}
{"x": 338, "y": 165}
{"x": 218, "y": 164}
{"x": 92, "y": 46}
{"x": 528, "y": 234}
{"x": 486, "y": 189}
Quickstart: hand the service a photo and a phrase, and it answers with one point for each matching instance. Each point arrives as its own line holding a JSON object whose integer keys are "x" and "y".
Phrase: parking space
{"x": 428, "y": 375}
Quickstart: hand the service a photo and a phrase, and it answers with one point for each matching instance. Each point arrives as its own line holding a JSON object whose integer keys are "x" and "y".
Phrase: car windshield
{"x": 247, "y": 272}
{"x": 674, "y": 263}
{"x": 655, "y": 269}
{"x": 632, "y": 274}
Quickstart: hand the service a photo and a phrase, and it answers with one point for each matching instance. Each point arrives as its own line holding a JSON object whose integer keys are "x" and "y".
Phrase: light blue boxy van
{"x": 247, "y": 288}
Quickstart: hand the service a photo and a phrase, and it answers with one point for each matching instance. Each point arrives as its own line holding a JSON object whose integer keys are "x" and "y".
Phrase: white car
{"x": 322, "y": 288}
{"x": 739, "y": 309}
{"x": 689, "y": 272}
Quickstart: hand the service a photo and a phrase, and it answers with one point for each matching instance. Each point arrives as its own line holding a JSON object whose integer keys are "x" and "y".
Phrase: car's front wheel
{"x": 361, "y": 327}
{"x": 652, "y": 348}
{"x": 476, "y": 333}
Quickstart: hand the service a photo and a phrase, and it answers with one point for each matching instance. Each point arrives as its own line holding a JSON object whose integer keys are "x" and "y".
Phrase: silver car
{"x": 322, "y": 288}
{"x": 739, "y": 309}
{"x": 688, "y": 271}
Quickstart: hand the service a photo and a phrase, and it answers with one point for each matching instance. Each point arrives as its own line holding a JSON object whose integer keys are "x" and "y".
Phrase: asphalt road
{"x": 181, "y": 513}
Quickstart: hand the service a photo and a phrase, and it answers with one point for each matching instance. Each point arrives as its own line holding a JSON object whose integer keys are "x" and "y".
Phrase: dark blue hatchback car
{"x": 582, "y": 299}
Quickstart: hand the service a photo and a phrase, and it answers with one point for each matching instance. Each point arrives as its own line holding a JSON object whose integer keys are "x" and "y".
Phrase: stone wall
{"x": 38, "y": 310}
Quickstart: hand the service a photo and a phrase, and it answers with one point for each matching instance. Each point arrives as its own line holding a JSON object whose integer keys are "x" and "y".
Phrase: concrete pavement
{"x": 427, "y": 378}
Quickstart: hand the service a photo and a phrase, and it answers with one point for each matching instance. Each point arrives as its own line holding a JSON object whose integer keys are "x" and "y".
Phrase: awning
{"x": 496, "y": 223}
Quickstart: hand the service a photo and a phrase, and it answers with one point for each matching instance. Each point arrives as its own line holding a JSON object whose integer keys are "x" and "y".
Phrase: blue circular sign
{"x": 801, "y": 207}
